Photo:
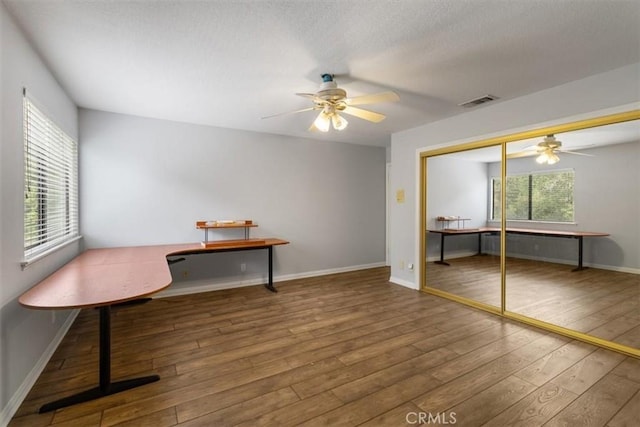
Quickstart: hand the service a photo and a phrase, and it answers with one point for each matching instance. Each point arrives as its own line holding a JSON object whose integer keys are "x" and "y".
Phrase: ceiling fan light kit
{"x": 322, "y": 122}
{"x": 332, "y": 101}
{"x": 547, "y": 151}
{"x": 329, "y": 116}
{"x": 339, "y": 123}
{"x": 548, "y": 157}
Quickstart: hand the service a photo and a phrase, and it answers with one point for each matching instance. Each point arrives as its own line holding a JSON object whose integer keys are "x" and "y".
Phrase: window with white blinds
{"x": 50, "y": 186}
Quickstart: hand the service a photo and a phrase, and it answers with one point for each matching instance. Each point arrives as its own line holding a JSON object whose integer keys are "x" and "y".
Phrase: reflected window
{"x": 539, "y": 196}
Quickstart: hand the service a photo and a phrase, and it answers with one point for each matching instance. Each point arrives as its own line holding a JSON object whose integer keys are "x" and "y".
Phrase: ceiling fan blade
{"x": 519, "y": 154}
{"x": 291, "y": 112}
{"x": 373, "y": 98}
{"x": 575, "y": 152}
{"x": 307, "y": 95}
{"x": 582, "y": 147}
{"x": 364, "y": 114}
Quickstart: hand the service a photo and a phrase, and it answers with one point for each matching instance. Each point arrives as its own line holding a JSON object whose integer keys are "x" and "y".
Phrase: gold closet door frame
{"x": 503, "y": 141}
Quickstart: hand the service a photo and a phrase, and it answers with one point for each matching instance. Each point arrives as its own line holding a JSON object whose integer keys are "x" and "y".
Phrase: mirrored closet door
{"x": 462, "y": 250}
{"x": 541, "y": 227}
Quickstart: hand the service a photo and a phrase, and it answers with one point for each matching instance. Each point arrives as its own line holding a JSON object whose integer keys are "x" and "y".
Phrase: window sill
{"x": 27, "y": 263}
{"x": 512, "y": 221}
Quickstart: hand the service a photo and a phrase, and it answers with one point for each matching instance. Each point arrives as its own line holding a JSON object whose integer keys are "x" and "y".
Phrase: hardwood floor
{"x": 345, "y": 349}
{"x": 599, "y": 302}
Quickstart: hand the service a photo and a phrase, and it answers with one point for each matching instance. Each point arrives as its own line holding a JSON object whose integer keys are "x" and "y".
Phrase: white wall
{"x": 572, "y": 101}
{"x": 455, "y": 188}
{"x": 25, "y": 335}
{"x": 146, "y": 181}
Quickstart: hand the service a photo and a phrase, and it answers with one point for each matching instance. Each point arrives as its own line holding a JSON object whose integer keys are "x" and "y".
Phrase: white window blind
{"x": 50, "y": 186}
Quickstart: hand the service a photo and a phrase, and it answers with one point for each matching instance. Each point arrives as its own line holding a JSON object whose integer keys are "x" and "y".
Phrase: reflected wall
{"x": 461, "y": 260}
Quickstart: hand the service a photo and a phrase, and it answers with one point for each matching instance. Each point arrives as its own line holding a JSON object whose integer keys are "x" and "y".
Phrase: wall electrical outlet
{"x": 410, "y": 266}
{"x": 243, "y": 267}
{"x": 401, "y": 265}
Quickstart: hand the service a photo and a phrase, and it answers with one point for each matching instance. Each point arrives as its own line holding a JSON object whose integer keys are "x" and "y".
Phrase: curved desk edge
{"x": 107, "y": 276}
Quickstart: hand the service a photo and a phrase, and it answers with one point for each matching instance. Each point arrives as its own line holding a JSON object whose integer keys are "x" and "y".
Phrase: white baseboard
{"x": 402, "y": 282}
{"x": 198, "y": 286}
{"x": 18, "y": 397}
{"x": 464, "y": 254}
{"x": 614, "y": 268}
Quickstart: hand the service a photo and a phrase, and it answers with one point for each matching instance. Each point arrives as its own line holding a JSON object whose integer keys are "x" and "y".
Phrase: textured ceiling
{"x": 229, "y": 63}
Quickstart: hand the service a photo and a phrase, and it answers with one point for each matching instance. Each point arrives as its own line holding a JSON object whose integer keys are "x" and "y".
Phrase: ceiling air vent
{"x": 478, "y": 101}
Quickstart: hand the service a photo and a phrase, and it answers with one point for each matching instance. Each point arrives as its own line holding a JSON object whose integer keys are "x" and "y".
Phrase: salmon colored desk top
{"x": 108, "y": 276}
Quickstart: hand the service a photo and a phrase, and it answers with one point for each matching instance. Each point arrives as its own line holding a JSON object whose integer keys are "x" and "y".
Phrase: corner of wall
{"x": 402, "y": 282}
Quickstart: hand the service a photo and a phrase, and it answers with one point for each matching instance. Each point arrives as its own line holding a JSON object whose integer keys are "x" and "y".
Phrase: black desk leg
{"x": 106, "y": 387}
{"x": 579, "y": 267}
{"x": 442, "y": 261}
{"x": 270, "y": 284}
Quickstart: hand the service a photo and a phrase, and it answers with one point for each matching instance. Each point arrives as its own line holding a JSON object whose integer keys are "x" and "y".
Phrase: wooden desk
{"x": 105, "y": 277}
{"x": 579, "y": 235}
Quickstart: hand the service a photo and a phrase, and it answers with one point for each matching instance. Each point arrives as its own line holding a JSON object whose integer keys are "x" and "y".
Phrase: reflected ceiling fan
{"x": 547, "y": 151}
{"x": 331, "y": 101}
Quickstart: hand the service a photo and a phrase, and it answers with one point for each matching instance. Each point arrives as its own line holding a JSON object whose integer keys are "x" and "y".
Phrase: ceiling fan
{"x": 332, "y": 101}
{"x": 547, "y": 151}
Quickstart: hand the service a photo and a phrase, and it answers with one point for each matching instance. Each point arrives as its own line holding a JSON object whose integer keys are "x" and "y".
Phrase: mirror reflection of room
{"x": 461, "y": 260}
{"x": 585, "y": 186}
{"x": 572, "y": 206}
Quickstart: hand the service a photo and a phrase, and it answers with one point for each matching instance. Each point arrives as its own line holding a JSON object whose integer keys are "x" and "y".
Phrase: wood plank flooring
{"x": 603, "y": 303}
{"x": 347, "y": 349}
